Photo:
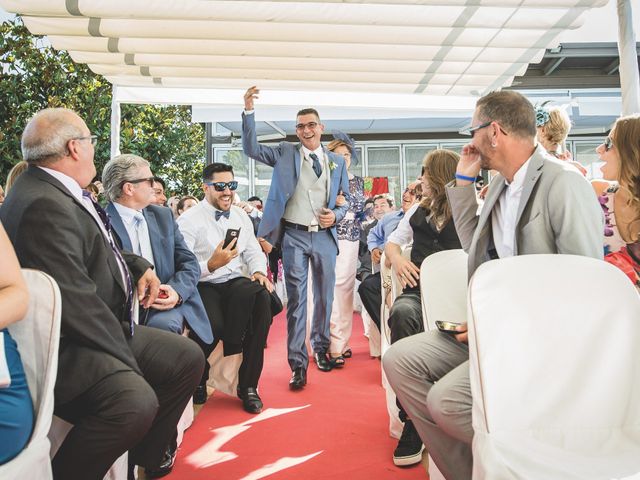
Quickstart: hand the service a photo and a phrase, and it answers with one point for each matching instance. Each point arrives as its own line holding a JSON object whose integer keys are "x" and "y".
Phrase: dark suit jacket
{"x": 285, "y": 160}
{"x": 175, "y": 264}
{"x": 51, "y": 231}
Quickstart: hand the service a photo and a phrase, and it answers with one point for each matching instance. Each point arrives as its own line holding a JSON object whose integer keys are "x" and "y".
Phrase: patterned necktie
{"x": 123, "y": 265}
{"x": 316, "y": 164}
{"x": 220, "y": 213}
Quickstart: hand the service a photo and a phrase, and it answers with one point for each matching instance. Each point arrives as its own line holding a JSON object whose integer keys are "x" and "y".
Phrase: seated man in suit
{"x": 123, "y": 386}
{"x": 536, "y": 204}
{"x": 239, "y": 307}
{"x": 151, "y": 232}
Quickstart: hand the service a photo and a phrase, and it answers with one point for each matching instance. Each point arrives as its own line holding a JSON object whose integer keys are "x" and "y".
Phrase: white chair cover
{"x": 555, "y": 369}
{"x": 443, "y": 287}
{"x": 37, "y": 337}
{"x": 223, "y": 375}
{"x": 391, "y": 288}
{"x": 443, "y": 291}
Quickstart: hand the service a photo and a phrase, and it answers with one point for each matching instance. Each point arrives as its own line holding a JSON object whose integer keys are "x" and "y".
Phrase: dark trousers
{"x": 128, "y": 412}
{"x": 405, "y": 320}
{"x": 370, "y": 292}
{"x": 237, "y": 302}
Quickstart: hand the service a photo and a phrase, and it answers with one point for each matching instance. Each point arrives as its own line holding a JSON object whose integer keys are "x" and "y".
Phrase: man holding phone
{"x": 535, "y": 205}
{"x": 300, "y": 216}
{"x": 221, "y": 236}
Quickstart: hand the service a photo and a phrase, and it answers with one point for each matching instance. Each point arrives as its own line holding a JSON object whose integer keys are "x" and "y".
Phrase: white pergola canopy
{"x": 424, "y": 48}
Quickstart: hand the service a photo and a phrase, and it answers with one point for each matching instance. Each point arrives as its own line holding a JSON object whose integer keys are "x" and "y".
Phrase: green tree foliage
{"x": 34, "y": 76}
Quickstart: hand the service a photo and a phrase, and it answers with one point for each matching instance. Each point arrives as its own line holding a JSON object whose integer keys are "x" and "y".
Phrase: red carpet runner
{"x": 336, "y": 428}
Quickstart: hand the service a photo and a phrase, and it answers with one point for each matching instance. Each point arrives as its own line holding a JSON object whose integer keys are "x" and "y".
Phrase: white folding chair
{"x": 443, "y": 287}
{"x": 37, "y": 337}
{"x": 554, "y": 369}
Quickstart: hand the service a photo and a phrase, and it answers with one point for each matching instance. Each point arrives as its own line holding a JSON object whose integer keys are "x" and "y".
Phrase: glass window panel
{"x": 413, "y": 157}
{"x": 240, "y": 163}
{"x": 385, "y": 162}
{"x": 587, "y": 156}
{"x": 456, "y": 147}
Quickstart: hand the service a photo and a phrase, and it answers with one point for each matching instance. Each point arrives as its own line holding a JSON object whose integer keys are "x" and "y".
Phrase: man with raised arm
{"x": 300, "y": 216}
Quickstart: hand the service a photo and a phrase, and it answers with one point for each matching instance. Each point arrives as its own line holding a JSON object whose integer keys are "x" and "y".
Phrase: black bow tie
{"x": 220, "y": 213}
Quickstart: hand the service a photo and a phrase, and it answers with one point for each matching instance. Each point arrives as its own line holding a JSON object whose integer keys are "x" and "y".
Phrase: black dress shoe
{"x": 298, "y": 379}
{"x": 323, "y": 362}
{"x": 165, "y": 466}
{"x": 200, "y": 395}
{"x": 251, "y": 401}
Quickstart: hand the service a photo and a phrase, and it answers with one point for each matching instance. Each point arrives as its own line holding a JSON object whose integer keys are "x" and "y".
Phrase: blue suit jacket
{"x": 285, "y": 160}
{"x": 175, "y": 264}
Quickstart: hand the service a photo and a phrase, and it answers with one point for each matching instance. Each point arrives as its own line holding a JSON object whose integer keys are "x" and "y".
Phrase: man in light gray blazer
{"x": 535, "y": 205}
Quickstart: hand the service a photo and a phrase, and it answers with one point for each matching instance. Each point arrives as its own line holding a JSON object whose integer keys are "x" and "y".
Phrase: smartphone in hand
{"x": 230, "y": 235}
{"x": 448, "y": 327}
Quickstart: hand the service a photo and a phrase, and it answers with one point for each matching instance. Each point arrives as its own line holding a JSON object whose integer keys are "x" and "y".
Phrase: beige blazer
{"x": 558, "y": 213}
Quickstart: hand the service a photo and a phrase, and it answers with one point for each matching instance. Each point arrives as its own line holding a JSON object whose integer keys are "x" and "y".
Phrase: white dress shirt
{"x": 505, "y": 212}
{"x": 403, "y": 234}
{"x": 202, "y": 234}
{"x": 138, "y": 232}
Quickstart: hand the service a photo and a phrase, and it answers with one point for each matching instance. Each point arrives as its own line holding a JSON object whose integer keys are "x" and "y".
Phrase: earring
{"x": 493, "y": 145}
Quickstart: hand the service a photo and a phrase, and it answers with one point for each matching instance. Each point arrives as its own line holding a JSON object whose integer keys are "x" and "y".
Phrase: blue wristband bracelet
{"x": 464, "y": 177}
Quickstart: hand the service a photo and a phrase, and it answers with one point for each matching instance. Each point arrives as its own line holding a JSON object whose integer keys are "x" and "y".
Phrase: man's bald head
{"x": 45, "y": 137}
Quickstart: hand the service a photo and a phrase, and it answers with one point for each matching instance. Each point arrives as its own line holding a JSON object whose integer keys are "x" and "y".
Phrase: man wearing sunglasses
{"x": 300, "y": 216}
{"x": 123, "y": 386}
{"x": 536, "y": 204}
{"x": 238, "y": 307}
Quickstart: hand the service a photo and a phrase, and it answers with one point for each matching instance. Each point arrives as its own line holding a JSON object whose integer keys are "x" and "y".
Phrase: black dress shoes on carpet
{"x": 200, "y": 395}
{"x": 165, "y": 466}
{"x": 251, "y": 401}
{"x": 323, "y": 362}
{"x": 298, "y": 379}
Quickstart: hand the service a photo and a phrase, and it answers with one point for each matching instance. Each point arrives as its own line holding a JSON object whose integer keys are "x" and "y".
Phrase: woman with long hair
{"x": 619, "y": 194}
{"x": 430, "y": 227}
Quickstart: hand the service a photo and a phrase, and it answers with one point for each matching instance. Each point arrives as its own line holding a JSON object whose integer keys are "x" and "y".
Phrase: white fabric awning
{"x": 414, "y": 48}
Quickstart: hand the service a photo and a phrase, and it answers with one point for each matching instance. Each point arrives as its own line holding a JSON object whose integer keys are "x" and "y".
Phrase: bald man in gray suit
{"x": 536, "y": 204}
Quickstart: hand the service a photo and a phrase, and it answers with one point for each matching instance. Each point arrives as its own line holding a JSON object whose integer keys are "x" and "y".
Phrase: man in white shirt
{"x": 233, "y": 283}
{"x": 536, "y": 204}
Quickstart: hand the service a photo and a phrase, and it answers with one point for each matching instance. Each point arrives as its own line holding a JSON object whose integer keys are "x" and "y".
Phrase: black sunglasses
{"x": 150, "y": 180}
{"x": 608, "y": 144}
{"x": 221, "y": 186}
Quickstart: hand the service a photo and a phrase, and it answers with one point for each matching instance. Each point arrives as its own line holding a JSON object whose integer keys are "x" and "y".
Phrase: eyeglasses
{"x": 93, "y": 138}
{"x": 608, "y": 144}
{"x": 221, "y": 186}
{"x": 149, "y": 180}
{"x": 411, "y": 191}
{"x": 310, "y": 125}
{"x": 471, "y": 130}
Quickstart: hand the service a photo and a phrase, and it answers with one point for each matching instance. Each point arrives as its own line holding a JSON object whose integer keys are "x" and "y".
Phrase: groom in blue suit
{"x": 151, "y": 232}
{"x": 300, "y": 215}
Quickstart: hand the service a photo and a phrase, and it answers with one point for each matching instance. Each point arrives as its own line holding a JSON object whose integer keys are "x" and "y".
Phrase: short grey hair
{"x": 119, "y": 170}
{"x": 46, "y": 135}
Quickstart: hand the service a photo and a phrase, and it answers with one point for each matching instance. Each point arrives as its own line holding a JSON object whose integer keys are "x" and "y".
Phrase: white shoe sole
{"x": 408, "y": 460}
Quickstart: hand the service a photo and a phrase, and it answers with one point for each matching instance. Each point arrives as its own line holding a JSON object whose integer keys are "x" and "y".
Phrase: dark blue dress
{"x": 16, "y": 408}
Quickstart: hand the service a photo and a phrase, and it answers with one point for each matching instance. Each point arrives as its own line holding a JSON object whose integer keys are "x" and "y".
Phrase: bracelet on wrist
{"x": 465, "y": 177}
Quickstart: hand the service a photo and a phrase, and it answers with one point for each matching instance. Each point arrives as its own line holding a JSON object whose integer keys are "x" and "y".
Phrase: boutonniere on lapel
{"x": 332, "y": 166}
